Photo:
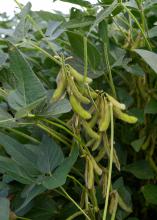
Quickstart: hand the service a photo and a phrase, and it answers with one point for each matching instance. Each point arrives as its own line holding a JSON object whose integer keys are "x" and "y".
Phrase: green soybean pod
{"x": 76, "y": 92}
{"x": 105, "y": 117}
{"x": 76, "y": 106}
{"x": 78, "y": 76}
{"x": 97, "y": 169}
{"x": 123, "y": 116}
{"x": 123, "y": 205}
{"x": 90, "y": 179}
{"x": 115, "y": 102}
{"x": 61, "y": 85}
{"x": 90, "y": 131}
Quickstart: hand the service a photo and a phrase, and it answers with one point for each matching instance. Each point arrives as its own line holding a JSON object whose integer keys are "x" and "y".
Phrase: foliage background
{"x": 121, "y": 40}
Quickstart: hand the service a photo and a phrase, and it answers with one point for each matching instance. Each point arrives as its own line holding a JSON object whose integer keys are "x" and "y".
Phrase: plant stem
{"x": 85, "y": 58}
{"x": 52, "y": 133}
{"x": 109, "y": 70}
{"x": 24, "y": 135}
{"x": 46, "y": 53}
{"x": 73, "y": 201}
{"x": 110, "y": 165}
{"x": 76, "y": 214}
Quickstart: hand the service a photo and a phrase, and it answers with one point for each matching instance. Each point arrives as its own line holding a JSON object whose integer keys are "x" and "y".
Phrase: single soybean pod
{"x": 76, "y": 92}
{"x": 123, "y": 205}
{"x": 77, "y": 108}
{"x": 90, "y": 131}
{"x": 97, "y": 169}
{"x": 104, "y": 181}
{"x": 97, "y": 143}
{"x": 115, "y": 102}
{"x": 105, "y": 116}
{"x": 61, "y": 86}
{"x": 78, "y": 76}
{"x": 94, "y": 119}
{"x": 90, "y": 174}
{"x": 123, "y": 116}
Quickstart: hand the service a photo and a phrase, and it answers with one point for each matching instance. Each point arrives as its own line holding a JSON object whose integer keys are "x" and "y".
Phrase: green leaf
{"x": 137, "y": 144}
{"x": 4, "y": 208}
{"x": 19, "y": 153}
{"x": 11, "y": 168}
{"x": 50, "y": 155}
{"x": 104, "y": 14}
{"x": 22, "y": 26}
{"x": 94, "y": 57}
{"x": 29, "y": 91}
{"x": 44, "y": 208}
{"x": 57, "y": 108}
{"x": 150, "y": 191}
{"x": 141, "y": 169}
{"x": 59, "y": 176}
{"x": 3, "y": 58}
{"x": 151, "y": 107}
{"x": 149, "y": 57}
{"x": 29, "y": 193}
{"x": 82, "y": 3}
{"x": 6, "y": 120}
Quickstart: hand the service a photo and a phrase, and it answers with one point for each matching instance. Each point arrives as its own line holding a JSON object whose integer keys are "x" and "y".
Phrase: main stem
{"x": 110, "y": 165}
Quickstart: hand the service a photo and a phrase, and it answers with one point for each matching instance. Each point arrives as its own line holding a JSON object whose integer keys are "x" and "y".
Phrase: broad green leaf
{"x": 57, "y": 108}
{"x": 50, "y": 155}
{"x": 29, "y": 91}
{"x": 59, "y": 176}
{"x": 6, "y": 120}
{"x": 19, "y": 153}
{"x": 151, "y": 107}
{"x": 11, "y": 168}
{"x": 150, "y": 193}
{"x": 141, "y": 169}
{"x": 94, "y": 57}
{"x": 4, "y": 208}
{"x": 149, "y": 57}
{"x": 82, "y": 3}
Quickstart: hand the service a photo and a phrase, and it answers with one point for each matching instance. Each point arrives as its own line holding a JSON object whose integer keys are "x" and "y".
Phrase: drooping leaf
{"x": 149, "y": 57}
{"x": 29, "y": 91}
{"x": 150, "y": 191}
{"x": 59, "y": 176}
{"x": 4, "y": 208}
{"x": 141, "y": 169}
